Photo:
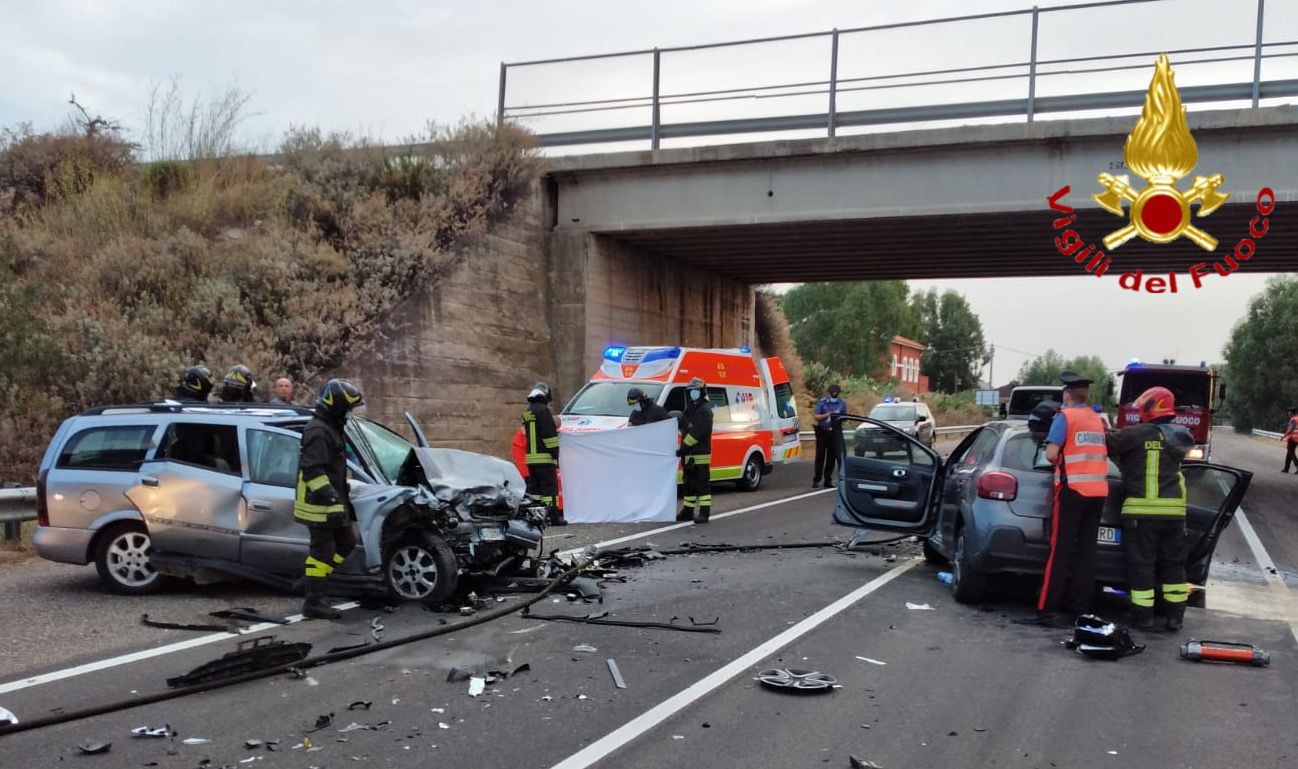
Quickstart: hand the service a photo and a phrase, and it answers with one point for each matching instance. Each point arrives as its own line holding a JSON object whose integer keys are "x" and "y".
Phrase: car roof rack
{"x": 177, "y": 407}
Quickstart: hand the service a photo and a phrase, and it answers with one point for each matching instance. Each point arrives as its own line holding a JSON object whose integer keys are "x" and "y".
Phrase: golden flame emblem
{"x": 1161, "y": 150}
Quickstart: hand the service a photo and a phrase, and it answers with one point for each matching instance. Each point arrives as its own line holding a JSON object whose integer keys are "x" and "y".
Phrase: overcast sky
{"x": 386, "y": 67}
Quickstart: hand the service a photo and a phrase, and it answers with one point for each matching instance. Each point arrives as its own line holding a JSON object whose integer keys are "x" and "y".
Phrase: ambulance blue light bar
{"x": 666, "y": 353}
{"x": 614, "y": 353}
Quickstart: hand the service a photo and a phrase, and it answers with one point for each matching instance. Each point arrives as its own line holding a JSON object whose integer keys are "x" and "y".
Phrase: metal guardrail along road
{"x": 1023, "y": 63}
{"x": 1268, "y": 434}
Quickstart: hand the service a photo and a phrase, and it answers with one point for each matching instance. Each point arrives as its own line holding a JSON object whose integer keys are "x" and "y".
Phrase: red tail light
{"x": 996, "y": 485}
{"x": 42, "y": 508}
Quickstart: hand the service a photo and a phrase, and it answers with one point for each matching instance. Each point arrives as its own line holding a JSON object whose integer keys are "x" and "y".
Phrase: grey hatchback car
{"x": 148, "y": 491}
{"x": 987, "y": 507}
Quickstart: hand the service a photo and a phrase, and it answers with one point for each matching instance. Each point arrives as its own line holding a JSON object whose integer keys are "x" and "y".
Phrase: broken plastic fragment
{"x": 152, "y": 731}
{"x": 617, "y": 674}
{"x": 443, "y": 725}
{"x": 477, "y": 686}
{"x": 438, "y": 710}
{"x": 250, "y": 759}
{"x": 324, "y": 720}
{"x": 250, "y": 744}
{"x": 7, "y": 718}
{"x": 582, "y": 697}
{"x": 871, "y": 661}
{"x": 859, "y": 764}
{"x": 360, "y": 705}
{"x": 584, "y": 648}
{"x": 459, "y": 674}
{"x": 195, "y": 741}
{"x": 94, "y": 748}
{"x": 919, "y": 606}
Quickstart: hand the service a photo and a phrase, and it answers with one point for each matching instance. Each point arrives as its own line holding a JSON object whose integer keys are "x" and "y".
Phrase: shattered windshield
{"x": 608, "y": 399}
{"x": 389, "y": 449}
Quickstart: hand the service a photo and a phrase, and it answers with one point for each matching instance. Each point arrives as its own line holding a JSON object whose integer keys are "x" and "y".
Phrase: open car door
{"x": 1213, "y": 493}
{"x": 420, "y": 440}
{"x": 887, "y": 480}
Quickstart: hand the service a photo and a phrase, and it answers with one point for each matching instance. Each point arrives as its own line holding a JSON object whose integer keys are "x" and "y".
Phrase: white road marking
{"x": 126, "y": 659}
{"x": 1278, "y": 588}
{"x": 674, "y": 526}
{"x": 604, "y": 746}
{"x": 526, "y": 630}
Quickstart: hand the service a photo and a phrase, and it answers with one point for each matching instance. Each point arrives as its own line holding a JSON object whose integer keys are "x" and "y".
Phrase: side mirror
{"x": 1221, "y": 392}
{"x": 921, "y": 418}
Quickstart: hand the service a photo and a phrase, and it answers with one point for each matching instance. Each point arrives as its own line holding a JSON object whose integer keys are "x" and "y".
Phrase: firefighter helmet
{"x": 635, "y": 395}
{"x": 1154, "y": 403}
{"x": 540, "y": 392}
{"x": 339, "y": 396}
{"x": 197, "y": 382}
{"x": 238, "y": 384}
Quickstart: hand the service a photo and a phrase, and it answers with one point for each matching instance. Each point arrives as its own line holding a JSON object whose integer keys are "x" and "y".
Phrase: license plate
{"x": 1109, "y": 536}
{"x": 491, "y": 534}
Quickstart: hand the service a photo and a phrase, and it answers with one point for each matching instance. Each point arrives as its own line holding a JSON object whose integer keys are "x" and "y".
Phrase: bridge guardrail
{"x": 16, "y": 506}
{"x": 1268, "y": 434}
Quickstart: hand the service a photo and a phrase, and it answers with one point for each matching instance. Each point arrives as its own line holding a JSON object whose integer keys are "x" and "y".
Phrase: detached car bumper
{"x": 54, "y": 543}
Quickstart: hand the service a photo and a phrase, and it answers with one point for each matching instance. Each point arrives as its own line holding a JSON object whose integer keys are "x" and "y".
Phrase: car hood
{"x": 465, "y": 478}
{"x": 900, "y": 424}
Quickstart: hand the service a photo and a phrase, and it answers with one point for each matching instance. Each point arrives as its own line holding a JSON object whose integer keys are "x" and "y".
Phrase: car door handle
{"x": 260, "y": 506}
{"x": 149, "y": 481}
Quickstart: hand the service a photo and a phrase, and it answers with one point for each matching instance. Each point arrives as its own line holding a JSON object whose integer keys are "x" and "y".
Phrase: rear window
{"x": 784, "y": 403}
{"x": 120, "y": 447}
{"x": 1020, "y": 453}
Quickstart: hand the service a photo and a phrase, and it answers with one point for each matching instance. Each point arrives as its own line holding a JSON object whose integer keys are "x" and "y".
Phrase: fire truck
{"x": 1195, "y": 390}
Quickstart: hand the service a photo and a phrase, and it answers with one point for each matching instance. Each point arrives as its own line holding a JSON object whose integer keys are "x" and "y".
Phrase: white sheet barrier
{"x": 620, "y": 476}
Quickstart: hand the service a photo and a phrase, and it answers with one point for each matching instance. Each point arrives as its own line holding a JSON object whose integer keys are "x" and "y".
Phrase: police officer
{"x": 195, "y": 385}
{"x": 322, "y": 501}
{"x": 238, "y": 385}
{"x": 1075, "y": 446}
{"x": 696, "y": 454}
{"x": 1290, "y": 439}
{"x": 826, "y": 436}
{"x": 643, "y": 409}
{"x": 1153, "y": 506}
{"x": 542, "y": 447}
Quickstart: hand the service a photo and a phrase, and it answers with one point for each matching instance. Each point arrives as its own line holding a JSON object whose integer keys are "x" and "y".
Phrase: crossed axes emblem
{"x": 1118, "y": 188}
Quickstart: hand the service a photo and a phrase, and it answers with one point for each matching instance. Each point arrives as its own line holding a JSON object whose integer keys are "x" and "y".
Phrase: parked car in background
{"x": 913, "y": 419}
{"x": 164, "y": 489}
{"x": 987, "y": 507}
{"x": 1025, "y": 398}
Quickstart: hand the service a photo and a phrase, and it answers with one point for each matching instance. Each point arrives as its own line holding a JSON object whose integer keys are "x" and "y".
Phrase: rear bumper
{"x": 1008, "y": 551}
{"x": 54, "y": 543}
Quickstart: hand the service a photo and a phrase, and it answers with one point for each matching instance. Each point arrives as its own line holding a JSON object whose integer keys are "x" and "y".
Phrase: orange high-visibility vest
{"x": 1084, "y": 458}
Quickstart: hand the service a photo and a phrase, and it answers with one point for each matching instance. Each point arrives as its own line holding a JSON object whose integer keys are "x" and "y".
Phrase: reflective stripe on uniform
{"x": 1084, "y": 463}
{"x": 317, "y": 483}
{"x": 338, "y": 559}
{"x": 690, "y": 440}
{"x": 551, "y": 443}
{"x": 1085, "y": 457}
{"x": 1161, "y": 506}
{"x": 539, "y": 459}
{"x": 1087, "y": 477}
{"x": 1176, "y": 592}
{"x": 1151, "y": 472}
{"x": 698, "y": 459}
{"x": 1142, "y": 598}
{"x": 706, "y": 499}
{"x": 317, "y": 568}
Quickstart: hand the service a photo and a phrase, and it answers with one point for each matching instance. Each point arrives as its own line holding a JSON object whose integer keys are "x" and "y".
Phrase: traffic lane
{"x": 801, "y": 520}
{"x": 514, "y": 722}
{"x": 1012, "y": 696}
{"x": 1269, "y": 501}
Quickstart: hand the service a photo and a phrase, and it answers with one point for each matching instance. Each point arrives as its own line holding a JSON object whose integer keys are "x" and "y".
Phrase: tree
{"x": 1045, "y": 370}
{"x": 1261, "y": 373}
{"x": 847, "y": 327}
{"x": 954, "y": 337}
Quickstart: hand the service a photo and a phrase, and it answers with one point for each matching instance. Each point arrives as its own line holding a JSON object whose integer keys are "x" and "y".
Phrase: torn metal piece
{"x": 801, "y": 681}
{"x": 250, "y": 656}
{"x": 696, "y": 623}
{"x": 587, "y": 589}
{"x": 152, "y": 731}
{"x": 94, "y": 748}
{"x": 617, "y": 674}
{"x": 585, "y": 648}
{"x": 857, "y": 763}
{"x": 144, "y": 620}
{"x": 618, "y": 623}
{"x": 247, "y": 614}
{"x": 360, "y": 705}
{"x": 376, "y": 628}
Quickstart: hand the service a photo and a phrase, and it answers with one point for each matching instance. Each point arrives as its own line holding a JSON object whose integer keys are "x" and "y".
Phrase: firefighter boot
{"x": 685, "y": 515}
{"x": 1142, "y": 617}
{"x": 1175, "y": 617}
{"x": 702, "y": 515}
{"x": 556, "y": 517}
{"x": 316, "y": 605}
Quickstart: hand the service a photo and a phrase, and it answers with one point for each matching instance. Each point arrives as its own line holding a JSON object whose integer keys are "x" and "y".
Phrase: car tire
{"x": 968, "y": 585}
{"x": 931, "y": 555}
{"x": 752, "y": 477}
{"x": 420, "y": 567}
{"x": 122, "y": 560}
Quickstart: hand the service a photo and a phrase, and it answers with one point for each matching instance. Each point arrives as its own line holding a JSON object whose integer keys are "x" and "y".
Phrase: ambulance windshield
{"x": 607, "y": 399}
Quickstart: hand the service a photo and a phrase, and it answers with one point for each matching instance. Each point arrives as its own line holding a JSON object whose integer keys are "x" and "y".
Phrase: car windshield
{"x": 893, "y": 413}
{"x": 607, "y": 399}
{"x": 389, "y": 449}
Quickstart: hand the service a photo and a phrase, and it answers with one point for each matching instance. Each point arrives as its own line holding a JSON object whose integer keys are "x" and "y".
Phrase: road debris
{"x": 94, "y": 748}
{"x": 458, "y": 674}
{"x": 253, "y": 744}
{"x": 443, "y": 725}
{"x": 1100, "y": 639}
{"x": 376, "y": 628}
{"x": 322, "y": 721}
{"x": 617, "y": 674}
{"x": 945, "y": 577}
{"x": 348, "y": 647}
{"x": 152, "y": 731}
{"x": 1224, "y": 651}
{"x": 477, "y": 686}
{"x": 800, "y": 681}
{"x": 598, "y": 619}
{"x": 165, "y": 625}
{"x": 360, "y": 705}
{"x": 871, "y": 661}
{"x": 919, "y": 607}
{"x": 355, "y": 727}
{"x": 252, "y": 655}
{"x": 585, "y": 648}
{"x": 191, "y": 741}
{"x": 248, "y": 614}
{"x": 857, "y": 763}
{"x": 7, "y": 718}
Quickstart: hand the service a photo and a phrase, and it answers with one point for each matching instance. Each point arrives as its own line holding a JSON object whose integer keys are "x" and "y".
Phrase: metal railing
{"x": 16, "y": 506}
{"x": 1268, "y": 434}
{"x": 1027, "y": 71}
{"x": 808, "y": 435}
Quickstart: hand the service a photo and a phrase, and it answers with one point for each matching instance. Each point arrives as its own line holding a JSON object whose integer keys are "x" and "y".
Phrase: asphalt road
{"x": 960, "y": 687}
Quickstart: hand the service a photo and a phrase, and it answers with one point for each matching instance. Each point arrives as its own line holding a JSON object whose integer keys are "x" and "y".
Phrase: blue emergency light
{"x": 614, "y": 353}
{"x": 887, "y": 399}
{"x": 745, "y": 349}
{"x": 1134, "y": 362}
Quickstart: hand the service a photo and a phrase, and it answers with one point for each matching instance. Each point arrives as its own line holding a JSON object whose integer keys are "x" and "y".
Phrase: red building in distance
{"x": 903, "y": 363}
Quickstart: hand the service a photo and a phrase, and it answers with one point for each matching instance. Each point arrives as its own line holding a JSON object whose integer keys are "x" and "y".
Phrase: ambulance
{"x": 754, "y": 418}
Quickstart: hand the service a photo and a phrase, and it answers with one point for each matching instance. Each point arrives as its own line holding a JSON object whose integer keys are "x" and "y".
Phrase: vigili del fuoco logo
{"x": 1161, "y": 151}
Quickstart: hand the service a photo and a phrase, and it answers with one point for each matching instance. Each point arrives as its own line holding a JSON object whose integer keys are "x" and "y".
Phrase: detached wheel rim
{"x": 412, "y": 571}
{"x": 128, "y": 559}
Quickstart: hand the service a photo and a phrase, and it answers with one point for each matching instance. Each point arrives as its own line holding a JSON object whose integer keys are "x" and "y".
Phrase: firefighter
{"x": 238, "y": 386}
{"x": 542, "y": 455}
{"x": 195, "y": 385}
{"x": 1153, "y": 506}
{"x": 1075, "y": 446}
{"x": 322, "y": 501}
{"x": 696, "y": 454}
{"x": 643, "y": 409}
{"x": 1290, "y": 439}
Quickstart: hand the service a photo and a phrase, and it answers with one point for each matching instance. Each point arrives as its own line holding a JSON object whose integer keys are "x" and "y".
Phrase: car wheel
{"x": 421, "y": 567}
{"x": 752, "y": 477}
{"x": 968, "y": 585}
{"x": 931, "y": 555}
{"x": 122, "y": 560}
